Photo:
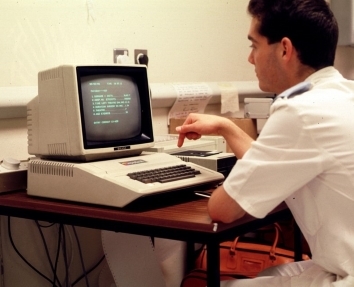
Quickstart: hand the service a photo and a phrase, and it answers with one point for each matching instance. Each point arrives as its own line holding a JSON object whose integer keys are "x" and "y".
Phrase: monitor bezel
{"x": 139, "y": 74}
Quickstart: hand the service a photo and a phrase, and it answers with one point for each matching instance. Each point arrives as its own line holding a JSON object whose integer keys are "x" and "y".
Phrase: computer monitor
{"x": 90, "y": 112}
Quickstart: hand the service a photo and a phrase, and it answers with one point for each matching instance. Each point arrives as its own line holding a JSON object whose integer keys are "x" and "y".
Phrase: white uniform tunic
{"x": 305, "y": 156}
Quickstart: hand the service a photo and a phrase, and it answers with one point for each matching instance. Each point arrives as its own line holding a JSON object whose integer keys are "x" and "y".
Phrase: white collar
{"x": 294, "y": 90}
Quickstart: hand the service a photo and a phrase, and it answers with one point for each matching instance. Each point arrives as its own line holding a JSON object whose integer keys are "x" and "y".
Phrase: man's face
{"x": 266, "y": 59}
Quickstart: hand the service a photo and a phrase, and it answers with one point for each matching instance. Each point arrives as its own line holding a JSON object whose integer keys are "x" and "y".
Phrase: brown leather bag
{"x": 198, "y": 278}
{"x": 242, "y": 259}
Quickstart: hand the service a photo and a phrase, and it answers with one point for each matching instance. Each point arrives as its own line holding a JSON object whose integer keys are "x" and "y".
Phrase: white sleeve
{"x": 283, "y": 159}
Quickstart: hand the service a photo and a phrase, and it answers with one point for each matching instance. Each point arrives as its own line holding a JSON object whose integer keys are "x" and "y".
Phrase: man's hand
{"x": 197, "y": 125}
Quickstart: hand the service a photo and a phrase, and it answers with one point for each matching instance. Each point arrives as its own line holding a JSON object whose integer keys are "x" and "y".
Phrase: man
{"x": 304, "y": 154}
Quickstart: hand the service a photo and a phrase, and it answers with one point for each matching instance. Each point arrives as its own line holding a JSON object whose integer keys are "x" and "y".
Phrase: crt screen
{"x": 111, "y": 108}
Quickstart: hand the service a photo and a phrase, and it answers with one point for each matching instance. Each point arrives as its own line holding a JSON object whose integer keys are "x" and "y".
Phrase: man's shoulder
{"x": 294, "y": 91}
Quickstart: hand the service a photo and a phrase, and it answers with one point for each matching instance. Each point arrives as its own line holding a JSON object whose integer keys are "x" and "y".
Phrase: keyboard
{"x": 116, "y": 182}
{"x": 164, "y": 174}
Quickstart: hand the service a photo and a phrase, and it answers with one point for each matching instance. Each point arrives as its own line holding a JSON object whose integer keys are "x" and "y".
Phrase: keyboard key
{"x": 179, "y": 177}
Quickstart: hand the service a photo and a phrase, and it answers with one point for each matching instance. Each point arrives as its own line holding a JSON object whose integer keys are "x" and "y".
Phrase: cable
{"x": 45, "y": 226}
{"x": 61, "y": 245}
{"x": 71, "y": 244}
{"x": 57, "y": 255}
{"x": 55, "y": 278}
{"x": 81, "y": 257}
{"x": 88, "y": 271}
{"x": 21, "y": 256}
{"x": 65, "y": 257}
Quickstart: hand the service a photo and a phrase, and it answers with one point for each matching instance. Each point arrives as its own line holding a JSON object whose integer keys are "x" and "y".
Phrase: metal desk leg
{"x": 297, "y": 243}
{"x": 190, "y": 256}
{"x": 213, "y": 264}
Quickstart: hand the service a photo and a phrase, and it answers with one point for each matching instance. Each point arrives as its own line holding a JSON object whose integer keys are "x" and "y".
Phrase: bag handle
{"x": 272, "y": 249}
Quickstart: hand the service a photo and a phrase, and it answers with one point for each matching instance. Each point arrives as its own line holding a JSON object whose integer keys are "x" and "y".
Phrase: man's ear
{"x": 287, "y": 48}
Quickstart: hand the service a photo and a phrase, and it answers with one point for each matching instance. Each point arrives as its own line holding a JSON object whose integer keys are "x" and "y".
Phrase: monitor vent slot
{"x": 50, "y": 74}
{"x": 29, "y": 127}
{"x": 52, "y": 168}
{"x": 57, "y": 149}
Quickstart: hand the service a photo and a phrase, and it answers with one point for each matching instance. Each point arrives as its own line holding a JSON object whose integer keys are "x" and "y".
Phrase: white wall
{"x": 345, "y": 61}
{"x": 186, "y": 40}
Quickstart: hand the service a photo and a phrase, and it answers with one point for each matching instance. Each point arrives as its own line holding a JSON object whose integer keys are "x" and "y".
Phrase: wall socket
{"x": 137, "y": 52}
{"x": 117, "y": 52}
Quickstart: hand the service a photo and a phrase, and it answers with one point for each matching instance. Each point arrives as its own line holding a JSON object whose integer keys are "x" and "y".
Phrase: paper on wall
{"x": 229, "y": 98}
{"x": 191, "y": 98}
{"x": 90, "y": 11}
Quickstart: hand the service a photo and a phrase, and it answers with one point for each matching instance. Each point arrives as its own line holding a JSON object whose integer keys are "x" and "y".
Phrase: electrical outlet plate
{"x": 137, "y": 52}
{"x": 119, "y": 51}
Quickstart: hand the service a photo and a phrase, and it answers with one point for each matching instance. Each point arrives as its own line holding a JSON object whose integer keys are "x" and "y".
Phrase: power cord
{"x": 53, "y": 268}
{"x": 142, "y": 59}
{"x": 60, "y": 243}
{"x": 88, "y": 271}
{"x": 65, "y": 258}
{"x": 81, "y": 257}
{"x": 21, "y": 256}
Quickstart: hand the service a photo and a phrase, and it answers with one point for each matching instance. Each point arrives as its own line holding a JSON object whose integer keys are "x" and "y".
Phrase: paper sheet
{"x": 229, "y": 98}
{"x": 132, "y": 260}
{"x": 191, "y": 98}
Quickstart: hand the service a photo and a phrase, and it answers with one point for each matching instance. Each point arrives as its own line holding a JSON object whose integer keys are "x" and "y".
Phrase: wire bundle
{"x": 60, "y": 249}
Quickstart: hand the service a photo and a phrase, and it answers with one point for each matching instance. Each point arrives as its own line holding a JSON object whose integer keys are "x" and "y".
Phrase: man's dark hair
{"x": 309, "y": 24}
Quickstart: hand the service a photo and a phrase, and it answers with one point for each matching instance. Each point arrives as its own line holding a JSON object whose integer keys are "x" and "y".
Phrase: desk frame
{"x": 185, "y": 220}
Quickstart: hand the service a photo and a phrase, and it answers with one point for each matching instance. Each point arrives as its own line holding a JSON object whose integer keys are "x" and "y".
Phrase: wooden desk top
{"x": 168, "y": 217}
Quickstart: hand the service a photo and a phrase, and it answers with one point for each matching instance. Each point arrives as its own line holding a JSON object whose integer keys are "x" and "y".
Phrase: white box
{"x": 257, "y": 108}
